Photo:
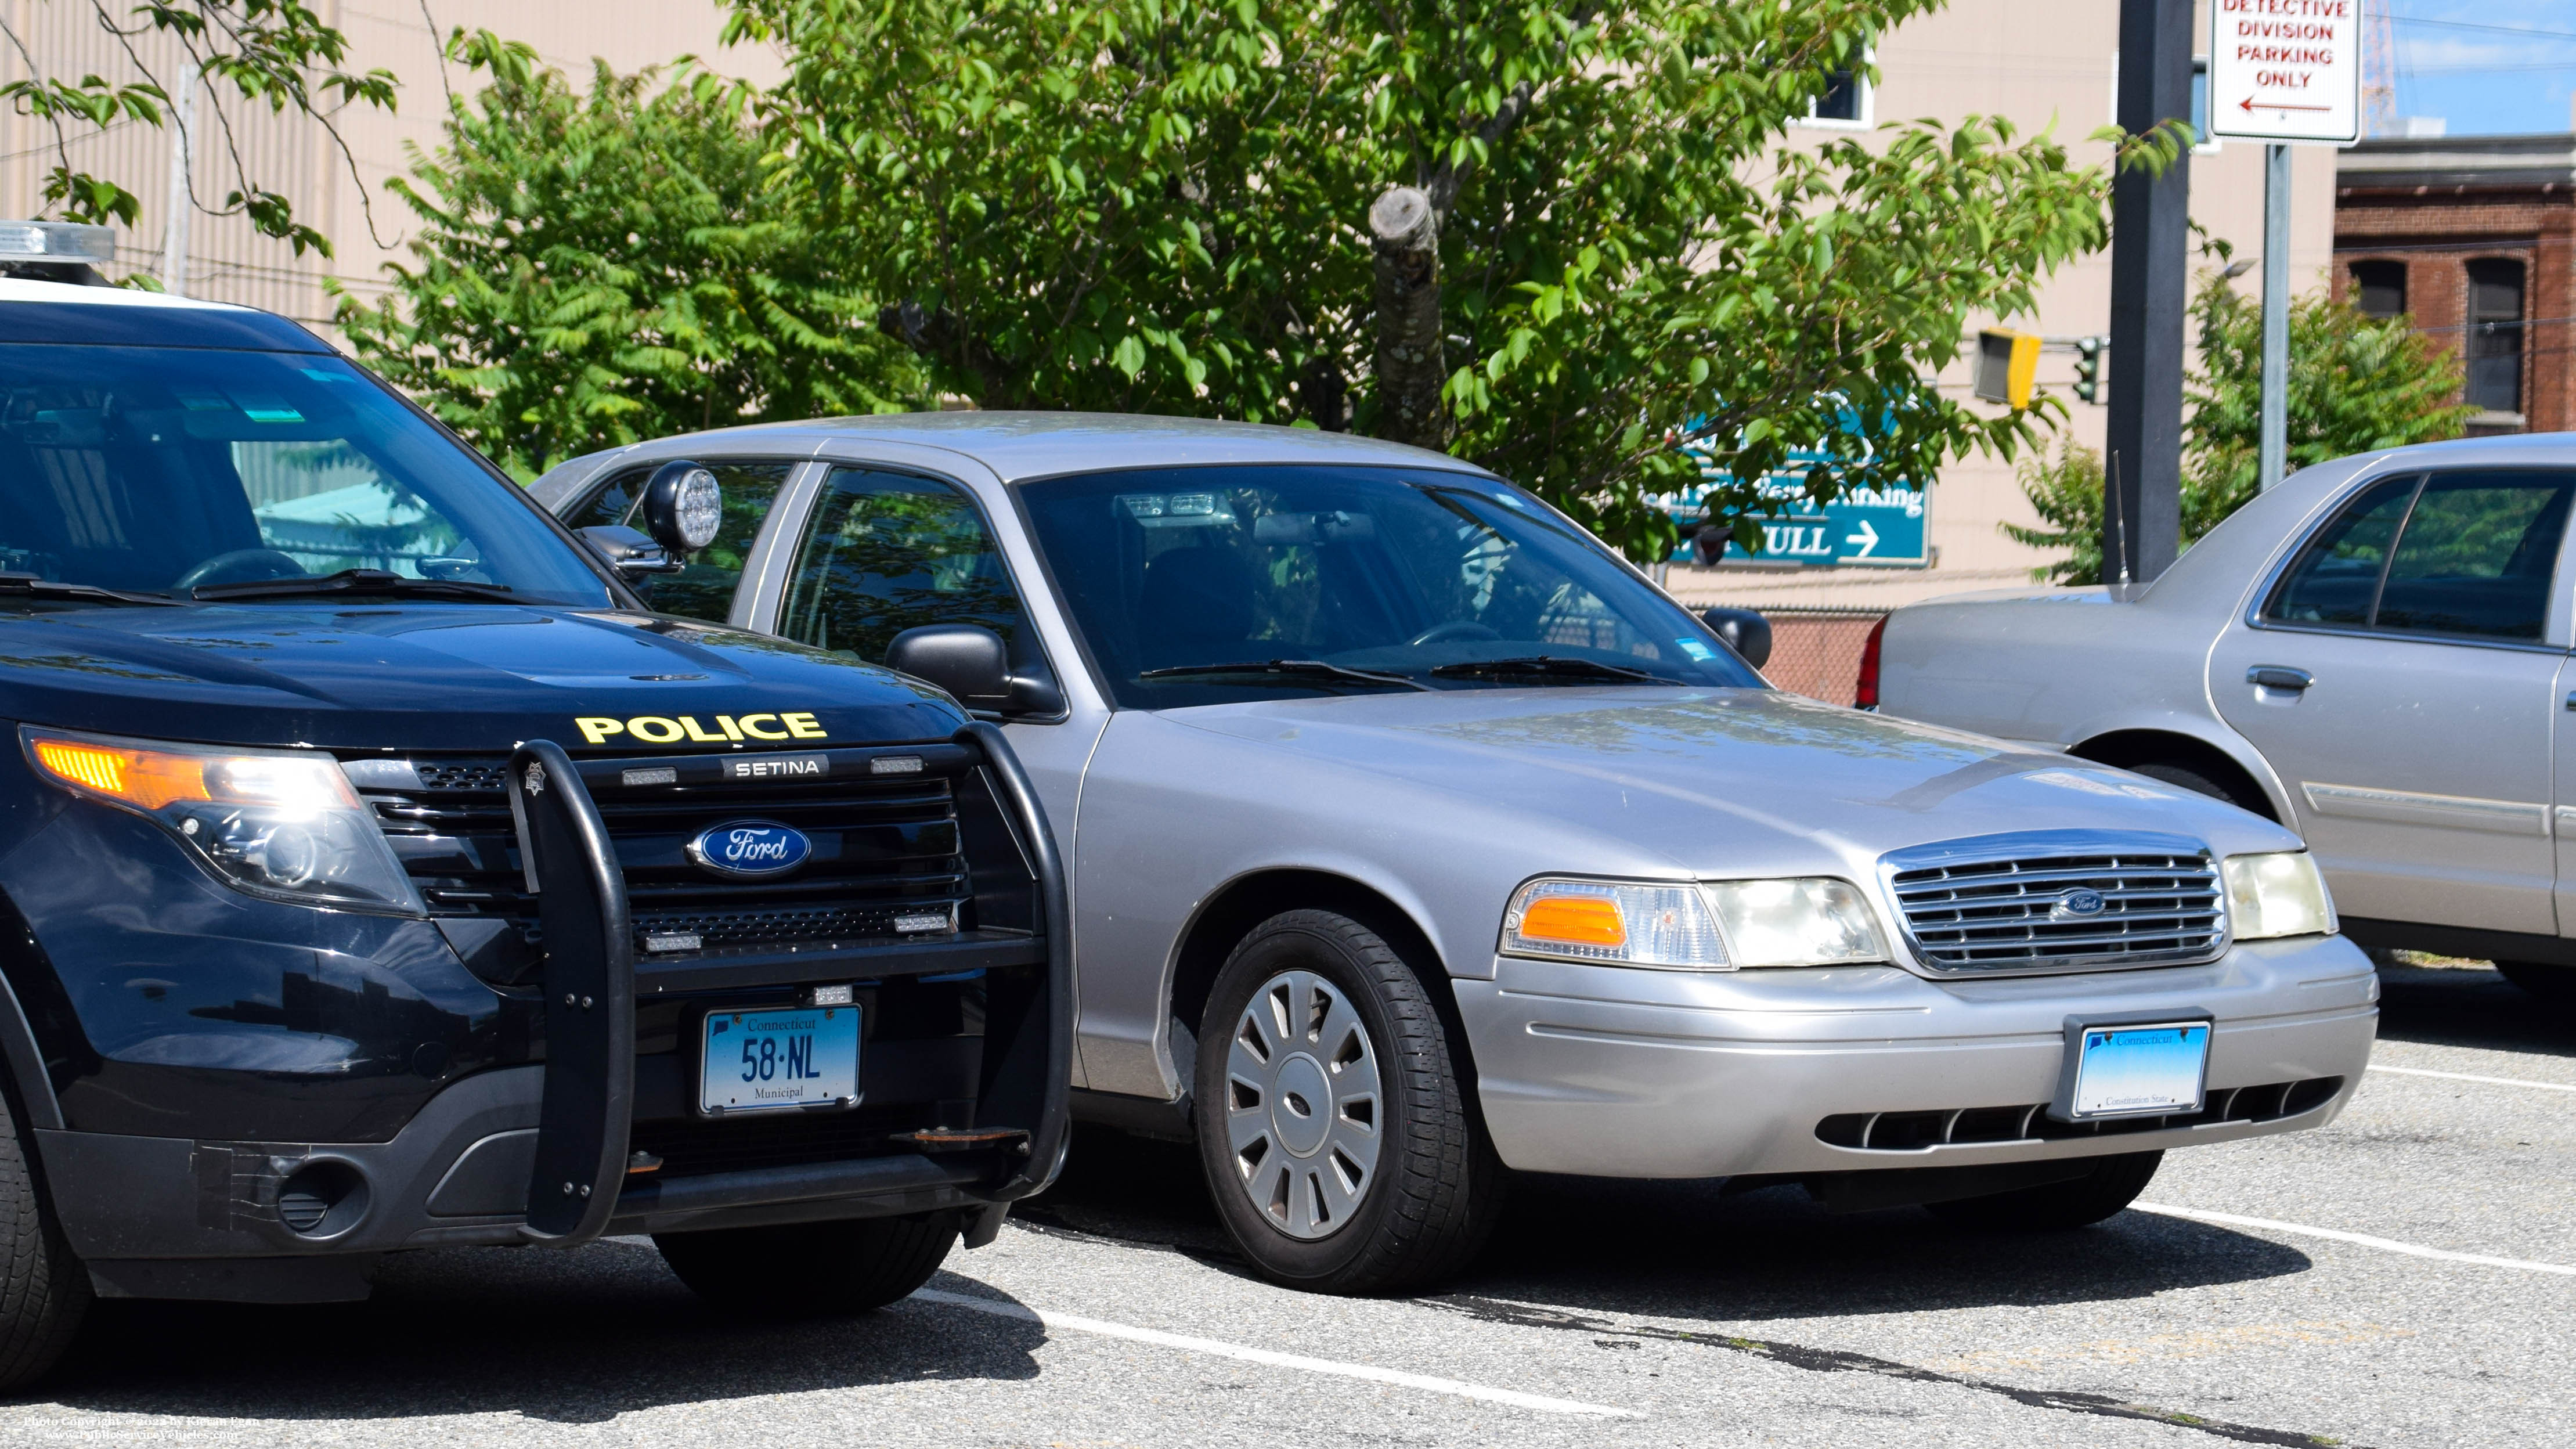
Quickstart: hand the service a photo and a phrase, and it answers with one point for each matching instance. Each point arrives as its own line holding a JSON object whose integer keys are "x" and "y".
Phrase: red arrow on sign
{"x": 2248, "y": 104}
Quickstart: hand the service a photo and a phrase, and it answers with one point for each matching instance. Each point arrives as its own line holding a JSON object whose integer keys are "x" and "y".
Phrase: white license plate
{"x": 2123, "y": 1071}
{"x": 799, "y": 1057}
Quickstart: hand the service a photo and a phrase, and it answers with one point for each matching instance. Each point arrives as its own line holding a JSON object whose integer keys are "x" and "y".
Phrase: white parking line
{"x": 1073, "y": 1323}
{"x": 2465, "y": 1077}
{"x": 2385, "y": 1245}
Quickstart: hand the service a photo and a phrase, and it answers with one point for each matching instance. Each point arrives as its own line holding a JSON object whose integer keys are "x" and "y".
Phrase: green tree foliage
{"x": 595, "y": 269}
{"x": 2357, "y": 384}
{"x": 277, "y": 55}
{"x": 1163, "y": 207}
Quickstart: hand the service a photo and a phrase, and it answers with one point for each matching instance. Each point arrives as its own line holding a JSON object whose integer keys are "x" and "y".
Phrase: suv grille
{"x": 883, "y": 848}
{"x": 2057, "y": 901}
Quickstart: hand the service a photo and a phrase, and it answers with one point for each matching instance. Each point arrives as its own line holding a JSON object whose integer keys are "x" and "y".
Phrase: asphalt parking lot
{"x": 2404, "y": 1277}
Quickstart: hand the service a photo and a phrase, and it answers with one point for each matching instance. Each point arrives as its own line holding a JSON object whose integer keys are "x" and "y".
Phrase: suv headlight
{"x": 278, "y": 823}
{"x": 1719, "y": 926}
{"x": 2281, "y": 894}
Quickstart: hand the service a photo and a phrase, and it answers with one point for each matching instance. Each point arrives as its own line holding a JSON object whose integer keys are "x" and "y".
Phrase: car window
{"x": 2337, "y": 580}
{"x": 167, "y": 469}
{"x": 2466, "y": 553}
{"x": 886, "y": 552}
{"x": 1429, "y": 575}
{"x": 2476, "y": 556}
{"x": 705, "y": 589}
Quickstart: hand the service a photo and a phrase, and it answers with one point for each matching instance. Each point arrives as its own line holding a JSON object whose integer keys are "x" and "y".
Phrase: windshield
{"x": 1437, "y": 579}
{"x": 160, "y": 470}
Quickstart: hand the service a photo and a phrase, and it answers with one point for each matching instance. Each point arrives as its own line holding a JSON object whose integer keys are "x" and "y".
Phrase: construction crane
{"x": 2378, "y": 71}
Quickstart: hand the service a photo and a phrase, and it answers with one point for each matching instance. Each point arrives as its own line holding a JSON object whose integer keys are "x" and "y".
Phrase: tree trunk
{"x": 1409, "y": 365}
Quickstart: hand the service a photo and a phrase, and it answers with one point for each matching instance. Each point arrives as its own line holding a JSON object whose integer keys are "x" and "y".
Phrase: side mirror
{"x": 683, "y": 507}
{"x": 1745, "y": 632}
{"x": 967, "y": 660}
{"x": 630, "y": 553}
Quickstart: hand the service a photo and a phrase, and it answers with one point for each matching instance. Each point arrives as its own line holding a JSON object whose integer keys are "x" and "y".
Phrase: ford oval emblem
{"x": 2078, "y": 902}
{"x": 749, "y": 849}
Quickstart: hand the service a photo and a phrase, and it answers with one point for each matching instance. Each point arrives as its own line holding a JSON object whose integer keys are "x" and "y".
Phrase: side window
{"x": 2477, "y": 555}
{"x": 2337, "y": 579}
{"x": 885, "y": 552}
{"x": 2468, "y": 554}
{"x": 705, "y": 589}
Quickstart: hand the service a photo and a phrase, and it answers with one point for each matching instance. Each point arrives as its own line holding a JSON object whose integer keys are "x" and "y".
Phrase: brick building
{"x": 2475, "y": 237}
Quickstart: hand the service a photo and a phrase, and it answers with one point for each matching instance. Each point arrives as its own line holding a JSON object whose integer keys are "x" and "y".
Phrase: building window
{"x": 2379, "y": 288}
{"x": 2202, "y": 141}
{"x": 1847, "y": 97}
{"x": 2494, "y": 351}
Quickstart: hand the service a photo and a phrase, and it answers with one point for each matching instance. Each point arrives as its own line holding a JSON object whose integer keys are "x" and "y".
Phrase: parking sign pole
{"x": 2276, "y": 314}
{"x": 2150, "y": 254}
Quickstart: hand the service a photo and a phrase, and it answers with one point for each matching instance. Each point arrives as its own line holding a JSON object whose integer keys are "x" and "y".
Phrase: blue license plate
{"x": 2132, "y": 1071}
{"x": 764, "y": 1060}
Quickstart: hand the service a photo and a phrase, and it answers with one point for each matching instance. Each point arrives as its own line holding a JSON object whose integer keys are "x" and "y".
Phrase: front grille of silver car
{"x": 2006, "y": 904}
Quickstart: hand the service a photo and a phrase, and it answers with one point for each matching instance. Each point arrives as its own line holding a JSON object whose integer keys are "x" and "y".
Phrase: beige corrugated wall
{"x": 342, "y": 195}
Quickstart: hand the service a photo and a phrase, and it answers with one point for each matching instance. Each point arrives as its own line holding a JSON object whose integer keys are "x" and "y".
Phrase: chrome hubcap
{"x": 1302, "y": 1104}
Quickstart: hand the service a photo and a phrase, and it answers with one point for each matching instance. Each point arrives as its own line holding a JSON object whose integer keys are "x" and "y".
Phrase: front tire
{"x": 2112, "y": 1185}
{"x": 808, "y": 1270}
{"x": 1333, "y": 1118}
{"x": 44, "y": 1290}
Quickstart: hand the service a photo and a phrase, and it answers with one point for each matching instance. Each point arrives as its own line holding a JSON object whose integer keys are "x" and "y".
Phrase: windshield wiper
{"x": 1285, "y": 670}
{"x": 28, "y": 586}
{"x": 359, "y": 581}
{"x": 1546, "y": 666}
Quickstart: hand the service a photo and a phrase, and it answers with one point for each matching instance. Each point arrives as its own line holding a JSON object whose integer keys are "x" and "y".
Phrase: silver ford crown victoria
{"x": 1415, "y": 835}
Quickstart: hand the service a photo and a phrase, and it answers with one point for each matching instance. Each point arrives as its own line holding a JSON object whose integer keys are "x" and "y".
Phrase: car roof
{"x": 1020, "y": 445}
{"x": 69, "y": 313}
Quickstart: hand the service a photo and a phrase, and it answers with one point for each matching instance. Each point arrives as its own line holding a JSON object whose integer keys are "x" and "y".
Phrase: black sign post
{"x": 2150, "y": 254}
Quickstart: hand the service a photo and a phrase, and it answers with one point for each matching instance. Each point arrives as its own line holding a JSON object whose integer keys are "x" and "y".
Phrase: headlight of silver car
{"x": 1723, "y": 926}
{"x": 2281, "y": 894}
{"x": 278, "y": 823}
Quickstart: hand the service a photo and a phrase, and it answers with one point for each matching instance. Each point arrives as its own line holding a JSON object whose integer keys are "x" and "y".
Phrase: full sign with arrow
{"x": 2286, "y": 70}
{"x": 1865, "y": 527}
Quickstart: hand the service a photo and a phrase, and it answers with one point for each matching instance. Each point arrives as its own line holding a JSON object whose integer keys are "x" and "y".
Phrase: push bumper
{"x": 1616, "y": 1072}
{"x": 539, "y": 1154}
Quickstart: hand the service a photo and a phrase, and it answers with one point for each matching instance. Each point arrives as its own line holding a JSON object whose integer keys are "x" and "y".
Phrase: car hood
{"x": 1708, "y": 780}
{"x": 438, "y": 677}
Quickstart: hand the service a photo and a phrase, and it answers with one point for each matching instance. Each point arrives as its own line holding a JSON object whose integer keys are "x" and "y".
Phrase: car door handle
{"x": 2282, "y": 676}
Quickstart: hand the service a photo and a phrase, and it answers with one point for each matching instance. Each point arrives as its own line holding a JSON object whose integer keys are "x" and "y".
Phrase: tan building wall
{"x": 343, "y": 197}
{"x": 2036, "y": 62}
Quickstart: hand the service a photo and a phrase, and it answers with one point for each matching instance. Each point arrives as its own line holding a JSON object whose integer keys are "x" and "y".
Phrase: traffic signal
{"x": 2088, "y": 368}
{"x": 2007, "y": 363}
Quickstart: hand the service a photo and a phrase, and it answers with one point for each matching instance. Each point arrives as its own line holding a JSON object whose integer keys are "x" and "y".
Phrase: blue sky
{"x": 2470, "y": 66}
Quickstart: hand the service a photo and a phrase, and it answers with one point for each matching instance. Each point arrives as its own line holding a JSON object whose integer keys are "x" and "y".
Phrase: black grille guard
{"x": 589, "y": 983}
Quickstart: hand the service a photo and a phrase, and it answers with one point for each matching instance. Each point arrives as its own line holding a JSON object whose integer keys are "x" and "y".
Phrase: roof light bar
{"x": 61, "y": 241}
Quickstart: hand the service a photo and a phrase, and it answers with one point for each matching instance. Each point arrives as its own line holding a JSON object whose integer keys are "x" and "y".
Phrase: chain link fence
{"x": 1815, "y": 650}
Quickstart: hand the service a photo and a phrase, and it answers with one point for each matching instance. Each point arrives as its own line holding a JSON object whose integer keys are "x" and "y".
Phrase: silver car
{"x": 1416, "y": 836}
{"x": 2374, "y": 652}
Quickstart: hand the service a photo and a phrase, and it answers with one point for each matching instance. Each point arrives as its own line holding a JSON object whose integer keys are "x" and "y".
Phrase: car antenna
{"x": 2119, "y": 528}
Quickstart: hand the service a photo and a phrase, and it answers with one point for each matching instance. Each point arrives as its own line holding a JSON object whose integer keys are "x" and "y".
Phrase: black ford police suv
{"x": 375, "y": 873}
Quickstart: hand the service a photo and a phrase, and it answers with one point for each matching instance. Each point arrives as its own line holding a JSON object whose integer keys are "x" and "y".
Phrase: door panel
{"x": 2402, "y": 686}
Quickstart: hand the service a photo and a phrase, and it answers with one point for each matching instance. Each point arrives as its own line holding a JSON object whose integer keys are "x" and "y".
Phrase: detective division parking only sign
{"x": 2286, "y": 70}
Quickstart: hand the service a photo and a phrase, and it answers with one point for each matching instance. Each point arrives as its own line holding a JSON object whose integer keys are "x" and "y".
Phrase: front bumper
{"x": 540, "y": 1153}
{"x": 1618, "y": 1072}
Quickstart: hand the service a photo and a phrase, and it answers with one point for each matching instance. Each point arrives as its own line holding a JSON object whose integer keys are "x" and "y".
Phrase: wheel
{"x": 44, "y": 1290}
{"x": 2200, "y": 782}
{"x": 2547, "y": 980}
{"x": 808, "y": 1270}
{"x": 2113, "y": 1184}
{"x": 1332, "y": 1118}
